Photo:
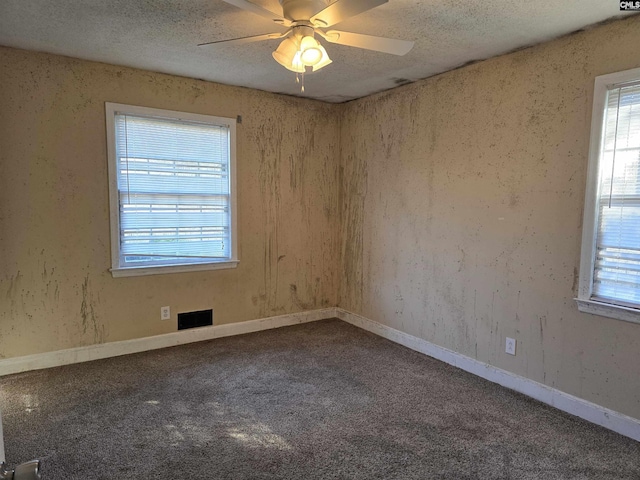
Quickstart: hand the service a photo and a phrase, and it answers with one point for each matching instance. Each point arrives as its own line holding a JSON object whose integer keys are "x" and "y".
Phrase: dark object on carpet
{"x": 319, "y": 400}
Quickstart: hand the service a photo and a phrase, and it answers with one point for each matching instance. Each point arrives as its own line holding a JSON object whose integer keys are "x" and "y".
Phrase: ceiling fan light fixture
{"x": 297, "y": 56}
{"x": 287, "y": 54}
{"x": 310, "y": 52}
{"x": 324, "y": 61}
{"x": 297, "y": 64}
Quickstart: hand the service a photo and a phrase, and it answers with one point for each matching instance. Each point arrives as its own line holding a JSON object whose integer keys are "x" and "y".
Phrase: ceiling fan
{"x": 300, "y": 52}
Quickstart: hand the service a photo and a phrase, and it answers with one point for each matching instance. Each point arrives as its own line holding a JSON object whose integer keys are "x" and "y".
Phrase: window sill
{"x": 608, "y": 310}
{"x": 160, "y": 270}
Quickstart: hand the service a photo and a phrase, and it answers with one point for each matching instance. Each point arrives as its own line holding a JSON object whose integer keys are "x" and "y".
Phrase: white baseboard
{"x": 610, "y": 419}
{"x": 125, "y": 347}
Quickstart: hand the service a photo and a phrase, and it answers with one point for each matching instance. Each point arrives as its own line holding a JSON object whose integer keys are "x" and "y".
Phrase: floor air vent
{"x": 202, "y": 318}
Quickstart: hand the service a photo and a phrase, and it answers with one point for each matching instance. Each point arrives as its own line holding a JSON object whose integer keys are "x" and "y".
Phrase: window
{"x": 171, "y": 190}
{"x": 610, "y": 263}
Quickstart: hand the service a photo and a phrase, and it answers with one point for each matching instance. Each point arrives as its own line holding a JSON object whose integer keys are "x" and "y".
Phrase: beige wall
{"x": 55, "y": 288}
{"x": 449, "y": 209}
{"x": 462, "y": 214}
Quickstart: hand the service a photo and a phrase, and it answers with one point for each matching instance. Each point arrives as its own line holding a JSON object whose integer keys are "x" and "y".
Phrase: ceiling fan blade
{"x": 258, "y": 10}
{"x": 343, "y": 9}
{"x": 369, "y": 42}
{"x": 249, "y": 39}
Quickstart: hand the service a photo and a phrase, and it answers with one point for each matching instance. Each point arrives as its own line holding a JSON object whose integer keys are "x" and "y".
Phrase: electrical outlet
{"x": 165, "y": 313}
{"x": 510, "y": 347}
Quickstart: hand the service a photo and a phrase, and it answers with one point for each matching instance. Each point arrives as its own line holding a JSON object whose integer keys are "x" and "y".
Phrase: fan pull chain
{"x": 300, "y": 80}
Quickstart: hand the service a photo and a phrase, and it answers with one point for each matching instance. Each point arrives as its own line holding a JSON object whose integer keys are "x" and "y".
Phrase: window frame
{"x": 603, "y": 84}
{"x": 117, "y": 270}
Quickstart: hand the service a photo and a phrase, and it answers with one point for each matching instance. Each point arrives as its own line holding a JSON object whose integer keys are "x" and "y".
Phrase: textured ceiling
{"x": 162, "y": 36}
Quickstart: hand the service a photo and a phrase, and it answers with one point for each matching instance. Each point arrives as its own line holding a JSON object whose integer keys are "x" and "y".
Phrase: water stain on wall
{"x": 354, "y": 188}
{"x": 293, "y": 289}
{"x": 269, "y": 139}
{"x": 88, "y": 314}
{"x": 492, "y": 170}
{"x": 14, "y": 282}
{"x": 54, "y": 179}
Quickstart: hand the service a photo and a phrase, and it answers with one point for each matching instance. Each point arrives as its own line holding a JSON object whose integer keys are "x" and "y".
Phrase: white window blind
{"x": 616, "y": 276}
{"x": 173, "y": 182}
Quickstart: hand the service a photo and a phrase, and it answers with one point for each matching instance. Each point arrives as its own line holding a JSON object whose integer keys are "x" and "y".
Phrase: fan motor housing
{"x": 301, "y": 10}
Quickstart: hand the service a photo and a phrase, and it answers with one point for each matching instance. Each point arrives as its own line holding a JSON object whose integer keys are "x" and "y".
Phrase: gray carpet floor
{"x": 319, "y": 400}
